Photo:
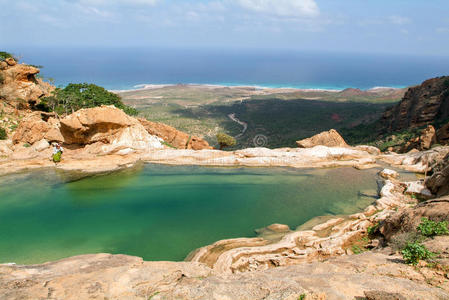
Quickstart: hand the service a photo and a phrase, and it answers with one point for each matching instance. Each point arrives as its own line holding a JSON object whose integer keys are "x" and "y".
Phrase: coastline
{"x": 283, "y": 88}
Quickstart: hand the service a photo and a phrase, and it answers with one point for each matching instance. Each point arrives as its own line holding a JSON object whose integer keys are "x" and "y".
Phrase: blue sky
{"x": 364, "y": 26}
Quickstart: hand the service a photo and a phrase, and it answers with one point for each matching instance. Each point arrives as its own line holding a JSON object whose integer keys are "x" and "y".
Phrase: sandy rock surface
{"x": 102, "y": 276}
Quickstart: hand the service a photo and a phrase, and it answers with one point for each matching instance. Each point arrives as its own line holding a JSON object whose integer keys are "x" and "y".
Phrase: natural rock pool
{"x": 163, "y": 212}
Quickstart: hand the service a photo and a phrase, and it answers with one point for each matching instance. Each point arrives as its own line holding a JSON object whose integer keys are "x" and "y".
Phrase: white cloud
{"x": 399, "y": 20}
{"x": 119, "y": 2}
{"x": 288, "y": 8}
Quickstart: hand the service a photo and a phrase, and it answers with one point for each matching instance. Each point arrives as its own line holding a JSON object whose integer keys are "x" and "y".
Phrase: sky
{"x": 361, "y": 26}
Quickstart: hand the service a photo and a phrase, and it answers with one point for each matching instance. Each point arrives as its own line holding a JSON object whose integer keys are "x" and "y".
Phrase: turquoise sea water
{"x": 164, "y": 212}
{"x": 124, "y": 68}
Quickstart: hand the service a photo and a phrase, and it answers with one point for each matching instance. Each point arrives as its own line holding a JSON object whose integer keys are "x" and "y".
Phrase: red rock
{"x": 329, "y": 138}
{"x": 174, "y": 137}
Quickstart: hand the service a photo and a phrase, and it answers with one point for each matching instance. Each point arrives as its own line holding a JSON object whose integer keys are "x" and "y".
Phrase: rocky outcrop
{"x": 316, "y": 157}
{"x": 37, "y": 126}
{"x": 438, "y": 182}
{"x": 424, "y": 141}
{"x": 443, "y": 135}
{"x": 174, "y": 137}
{"x": 105, "y": 276}
{"x": 331, "y": 238}
{"x": 408, "y": 219}
{"x": 329, "y": 138}
{"x": 19, "y": 86}
{"x": 421, "y": 105}
{"x": 420, "y": 162}
{"x": 99, "y": 130}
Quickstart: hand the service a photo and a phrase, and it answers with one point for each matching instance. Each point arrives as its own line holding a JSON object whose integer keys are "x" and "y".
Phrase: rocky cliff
{"x": 421, "y": 105}
{"x": 19, "y": 86}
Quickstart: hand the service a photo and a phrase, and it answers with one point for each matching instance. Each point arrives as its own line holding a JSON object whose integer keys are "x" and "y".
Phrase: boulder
{"x": 98, "y": 124}
{"x": 31, "y": 129}
{"x": 418, "y": 189}
{"x": 34, "y": 128}
{"x": 370, "y": 149}
{"x": 407, "y": 220}
{"x": 5, "y": 147}
{"x": 388, "y": 174}
{"x": 443, "y": 135}
{"x": 109, "y": 128}
{"x": 438, "y": 182}
{"x": 422, "y": 142}
{"x": 41, "y": 145}
{"x": 174, "y": 137}
{"x": 329, "y": 138}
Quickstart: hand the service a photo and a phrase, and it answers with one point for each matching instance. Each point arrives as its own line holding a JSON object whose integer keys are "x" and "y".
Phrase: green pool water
{"x": 163, "y": 212}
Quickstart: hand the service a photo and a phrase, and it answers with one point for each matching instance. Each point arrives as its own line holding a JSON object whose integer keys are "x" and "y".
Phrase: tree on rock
{"x": 225, "y": 140}
{"x": 84, "y": 95}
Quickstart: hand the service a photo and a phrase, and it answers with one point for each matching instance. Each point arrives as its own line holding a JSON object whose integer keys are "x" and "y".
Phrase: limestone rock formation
{"x": 406, "y": 220}
{"x": 420, "y": 161}
{"x": 331, "y": 238}
{"x": 99, "y": 130}
{"x": 443, "y": 135}
{"x": 105, "y": 276}
{"x": 423, "y": 142}
{"x": 438, "y": 183}
{"x": 37, "y": 126}
{"x": 109, "y": 127}
{"x": 421, "y": 105}
{"x": 329, "y": 138}
{"x": 174, "y": 137}
{"x": 19, "y": 86}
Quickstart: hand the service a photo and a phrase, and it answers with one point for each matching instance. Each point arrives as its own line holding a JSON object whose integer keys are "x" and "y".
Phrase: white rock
{"x": 388, "y": 174}
{"x": 417, "y": 188}
{"x": 41, "y": 145}
{"x": 5, "y": 147}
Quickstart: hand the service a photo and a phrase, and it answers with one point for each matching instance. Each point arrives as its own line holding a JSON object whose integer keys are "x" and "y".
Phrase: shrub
{"x": 399, "y": 241}
{"x": 82, "y": 95}
{"x": 225, "y": 140}
{"x": 414, "y": 252}
{"x": 4, "y": 55}
{"x": 373, "y": 229}
{"x": 430, "y": 228}
{"x": 3, "y": 134}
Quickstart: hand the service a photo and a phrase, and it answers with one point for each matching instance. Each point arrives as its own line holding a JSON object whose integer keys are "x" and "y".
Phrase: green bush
{"x": 430, "y": 228}
{"x": 414, "y": 252}
{"x": 82, "y": 95}
{"x": 3, "y": 134}
{"x": 225, "y": 140}
{"x": 4, "y": 55}
{"x": 372, "y": 229}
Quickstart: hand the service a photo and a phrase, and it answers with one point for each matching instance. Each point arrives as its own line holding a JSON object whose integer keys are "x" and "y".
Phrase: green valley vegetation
{"x": 225, "y": 140}
{"x": 82, "y": 95}
{"x": 283, "y": 118}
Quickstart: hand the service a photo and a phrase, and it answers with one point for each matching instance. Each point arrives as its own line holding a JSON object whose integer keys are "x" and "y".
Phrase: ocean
{"x": 127, "y": 68}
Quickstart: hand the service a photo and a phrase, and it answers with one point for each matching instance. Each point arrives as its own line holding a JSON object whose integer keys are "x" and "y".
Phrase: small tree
{"x": 84, "y": 95}
{"x": 4, "y": 55}
{"x": 3, "y": 134}
{"x": 225, "y": 140}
